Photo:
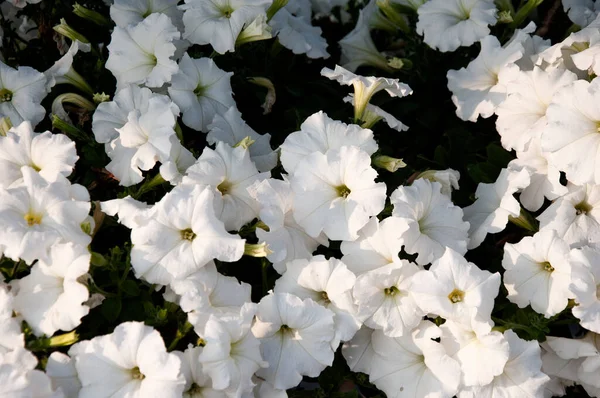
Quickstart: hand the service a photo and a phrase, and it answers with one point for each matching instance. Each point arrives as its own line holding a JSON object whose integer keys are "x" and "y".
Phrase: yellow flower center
{"x": 546, "y": 266}
{"x": 6, "y": 95}
{"x": 343, "y": 191}
{"x": 456, "y": 296}
{"x": 224, "y": 187}
{"x": 188, "y": 234}
{"x": 391, "y": 291}
{"x": 137, "y": 374}
{"x": 583, "y": 208}
{"x": 32, "y": 218}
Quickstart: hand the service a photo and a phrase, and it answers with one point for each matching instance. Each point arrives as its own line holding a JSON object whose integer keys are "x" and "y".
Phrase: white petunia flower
{"x": 585, "y": 286}
{"x": 292, "y": 25}
{"x": 377, "y": 246}
{"x": 538, "y": 272}
{"x": 449, "y": 24}
{"x": 201, "y": 90}
{"x": 197, "y": 383}
{"x": 575, "y": 216}
{"x": 141, "y": 54}
{"x": 366, "y": 86}
{"x": 373, "y": 114}
{"x": 47, "y": 153}
{"x": 359, "y": 49}
{"x": 521, "y": 376}
{"x": 112, "y": 115}
{"x": 149, "y": 133}
{"x": 230, "y": 128}
{"x": 207, "y": 292}
{"x": 336, "y": 193}
{"x": 286, "y": 239}
{"x": 385, "y": 300}
{"x": 457, "y": 290}
{"x": 320, "y": 133}
{"x": 21, "y": 93}
{"x": 581, "y": 12}
{"x": 51, "y": 297}
{"x": 494, "y": 205}
{"x": 414, "y": 365}
{"x": 131, "y": 361}
{"x": 39, "y": 214}
{"x": 219, "y": 22}
{"x": 329, "y": 283}
{"x": 132, "y": 12}
{"x": 533, "y": 46}
{"x": 120, "y": 165}
{"x": 544, "y": 178}
{"x": 228, "y": 172}
{"x": 481, "y": 87}
{"x": 571, "y": 137}
{"x": 132, "y": 213}
{"x": 231, "y": 353}
{"x": 522, "y": 117}
{"x": 468, "y": 348}
{"x": 61, "y": 370}
{"x": 577, "y": 360}
{"x": 10, "y": 328}
{"x": 183, "y": 236}
{"x": 295, "y": 337}
{"x": 434, "y": 223}
{"x": 19, "y": 378}
{"x": 62, "y": 71}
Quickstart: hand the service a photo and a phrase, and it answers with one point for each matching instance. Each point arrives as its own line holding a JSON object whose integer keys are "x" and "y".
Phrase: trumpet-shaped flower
{"x": 231, "y": 353}
{"x": 329, "y": 283}
{"x": 295, "y": 337}
{"x": 366, "y": 86}
{"x": 228, "y": 172}
{"x": 230, "y": 128}
{"x": 61, "y": 370}
{"x": 207, "y": 292}
{"x": 522, "y": 117}
{"x": 51, "y": 297}
{"x": 47, "y": 153}
{"x": 149, "y": 133}
{"x": 142, "y": 53}
{"x": 180, "y": 159}
{"x": 201, "y": 90}
{"x": 320, "y": 133}
{"x": 219, "y": 22}
{"x": 359, "y": 49}
{"x": 413, "y": 365}
{"x": 112, "y": 115}
{"x": 585, "y": 286}
{"x": 19, "y": 378}
{"x": 449, "y": 24}
{"x": 358, "y": 352}
{"x": 336, "y": 193}
{"x": 521, "y": 376}
{"x": 575, "y": 216}
{"x": 21, "y": 93}
{"x": 131, "y": 361}
{"x": 481, "y": 87}
{"x": 183, "y": 236}
{"x": 448, "y": 178}
{"x": 385, "y": 300}
{"x": 581, "y": 12}
{"x": 538, "y": 272}
{"x": 39, "y": 214}
{"x": 457, "y": 290}
{"x": 571, "y": 137}
{"x": 434, "y": 223}
{"x": 467, "y": 347}
{"x": 285, "y": 237}
{"x": 494, "y": 205}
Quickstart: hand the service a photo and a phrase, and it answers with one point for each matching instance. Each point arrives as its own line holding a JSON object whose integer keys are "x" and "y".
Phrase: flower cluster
{"x": 156, "y": 243}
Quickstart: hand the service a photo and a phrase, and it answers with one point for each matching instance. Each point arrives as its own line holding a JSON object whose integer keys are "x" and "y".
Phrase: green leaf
{"x": 130, "y": 288}
{"x": 111, "y": 308}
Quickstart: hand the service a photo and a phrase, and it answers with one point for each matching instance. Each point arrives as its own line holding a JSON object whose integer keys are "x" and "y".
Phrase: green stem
{"x": 524, "y": 11}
